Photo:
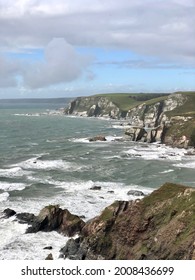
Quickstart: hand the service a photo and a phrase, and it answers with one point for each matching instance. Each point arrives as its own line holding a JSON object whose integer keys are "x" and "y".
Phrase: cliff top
{"x": 126, "y": 101}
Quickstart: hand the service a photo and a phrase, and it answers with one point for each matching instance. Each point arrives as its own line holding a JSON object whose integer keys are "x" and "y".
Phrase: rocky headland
{"x": 168, "y": 119}
{"x": 159, "y": 226}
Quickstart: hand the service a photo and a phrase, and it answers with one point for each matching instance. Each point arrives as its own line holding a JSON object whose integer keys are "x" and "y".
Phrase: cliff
{"x": 168, "y": 119}
{"x": 160, "y": 226}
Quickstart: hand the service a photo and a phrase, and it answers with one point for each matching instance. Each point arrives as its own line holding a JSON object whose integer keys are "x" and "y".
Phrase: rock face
{"x": 160, "y": 226}
{"x": 168, "y": 119}
{"x": 93, "y": 106}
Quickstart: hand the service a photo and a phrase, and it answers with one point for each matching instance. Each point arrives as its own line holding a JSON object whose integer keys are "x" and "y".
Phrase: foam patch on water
{"x": 4, "y": 196}
{"x": 37, "y": 164}
{"x": 31, "y": 246}
{"x": 190, "y": 164}
{"x": 13, "y": 172}
{"x": 12, "y": 186}
{"x": 166, "y": 171}
{"x": 109, "y": 139}
{"x": 156, "y": 152}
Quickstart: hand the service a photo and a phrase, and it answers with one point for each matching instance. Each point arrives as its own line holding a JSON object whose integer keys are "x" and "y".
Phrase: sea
{"x": 46, "y": 158}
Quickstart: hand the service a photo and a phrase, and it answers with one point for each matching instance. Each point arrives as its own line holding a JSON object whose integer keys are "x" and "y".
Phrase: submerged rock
{"x": 135, "y": 193}
{"x": 95, "y": 188}
{"x": 26, "y": 218}
{"x": 97, "y": 138}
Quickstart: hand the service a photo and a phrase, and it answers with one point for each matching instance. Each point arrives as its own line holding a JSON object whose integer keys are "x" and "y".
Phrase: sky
{"x": 69, "y": 48}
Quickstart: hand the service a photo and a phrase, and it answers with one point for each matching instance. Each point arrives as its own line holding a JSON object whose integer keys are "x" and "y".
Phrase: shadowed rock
{"x": 9, "y": 212}
{"x": 52, "y": 217}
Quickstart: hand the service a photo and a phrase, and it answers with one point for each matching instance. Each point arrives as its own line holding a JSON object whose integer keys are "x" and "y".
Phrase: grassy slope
{"x": 161, "y": 226}
{"x": 188, "y": 108}
{"x": 126, "y": 101}
{"x": 181, "y": 127}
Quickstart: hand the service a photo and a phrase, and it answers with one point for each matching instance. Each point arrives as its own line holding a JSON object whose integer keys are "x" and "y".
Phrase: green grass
{"x": 188, "y": 108}
{"x": 126, "y": 101}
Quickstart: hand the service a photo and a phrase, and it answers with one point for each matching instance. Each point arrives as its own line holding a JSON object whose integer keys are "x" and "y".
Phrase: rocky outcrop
{"x": 97, "y": 138}
{"x": 139, "y": 229}
{"x": 50, "y": 218}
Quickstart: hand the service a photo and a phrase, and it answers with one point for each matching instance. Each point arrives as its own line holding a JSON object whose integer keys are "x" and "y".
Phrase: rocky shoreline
{"x": 156, "y": 120}
{"x": 135, "y": 229}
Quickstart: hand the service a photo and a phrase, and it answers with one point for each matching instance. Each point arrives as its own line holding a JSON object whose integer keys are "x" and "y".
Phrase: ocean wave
{"x": 13, "y": 172}
{"x": 156, "y": 152}
{"x": 166, "y": 171}
{"x": 109, "y": 139}
{"x": 37, "y": 164}
{"x": 190, "y": 164}
{"x": 12, "y": 186}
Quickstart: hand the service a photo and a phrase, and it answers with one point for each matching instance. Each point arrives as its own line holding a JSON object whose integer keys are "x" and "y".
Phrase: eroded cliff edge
{"x": 159, "y": 226}
{"x": 168, "y": 119}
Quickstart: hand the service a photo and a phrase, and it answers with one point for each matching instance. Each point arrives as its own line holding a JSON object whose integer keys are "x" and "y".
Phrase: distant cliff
{"x": 169, "y": 119}
{"x": 94, "y": 106}
{"x": 160, "y": 226}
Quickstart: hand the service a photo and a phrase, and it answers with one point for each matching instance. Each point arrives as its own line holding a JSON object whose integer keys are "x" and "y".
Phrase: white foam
{"x": 23, "y": 246}
{"x": 109, "y": 139}
{"x": 13, "y": 172}
{"x": 166, "y": 171}
{"x": 36, "y": 164}
{"x": 80, "y": 140}
{"x": 12, "y": 186}
{"x": 156, "y": 152}
{"x": 190, "y": 164}
{"x": 4, "y": 196}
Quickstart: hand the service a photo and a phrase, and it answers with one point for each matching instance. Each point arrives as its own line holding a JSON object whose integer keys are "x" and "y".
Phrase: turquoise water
{"x": 47, "y": 159}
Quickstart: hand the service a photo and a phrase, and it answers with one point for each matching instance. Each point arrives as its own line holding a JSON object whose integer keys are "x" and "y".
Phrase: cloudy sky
{"x": 55, "y": 48}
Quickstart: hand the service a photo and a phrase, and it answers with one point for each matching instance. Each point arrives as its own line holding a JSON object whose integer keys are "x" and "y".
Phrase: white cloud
{"x": 61, "y": 64}
{"x": 157, "y": 28}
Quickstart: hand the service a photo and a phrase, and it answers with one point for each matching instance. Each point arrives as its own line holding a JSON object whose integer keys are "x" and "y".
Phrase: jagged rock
{"x": 52, "y": 217}
{"x": 139, "y": 229}
{"x": 9, "y": 212}
{"x": 135, "y": 193}
{"x": 72, "y": 250}
{"x": 96, "y": 188}
{"x": 49, "y": 257}
{"x": 97, "y": 138}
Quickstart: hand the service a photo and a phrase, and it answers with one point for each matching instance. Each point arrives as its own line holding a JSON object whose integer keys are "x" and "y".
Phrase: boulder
{"x": 97, "y": 138}
{"x": 48, "y": 248}
{"x": 135, "y": 193}
{"x": 9, "y": 212}
{"x": 95, "y": 188}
